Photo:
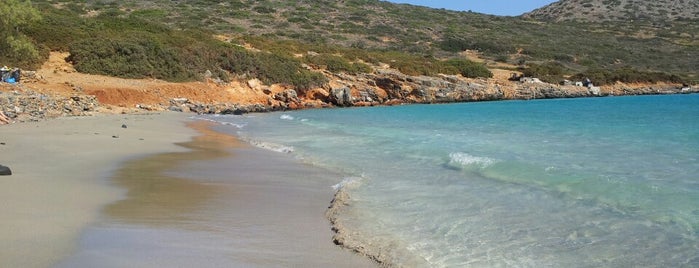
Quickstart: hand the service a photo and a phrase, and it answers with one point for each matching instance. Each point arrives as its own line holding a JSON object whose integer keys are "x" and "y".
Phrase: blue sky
{"x": 495, "y": 7}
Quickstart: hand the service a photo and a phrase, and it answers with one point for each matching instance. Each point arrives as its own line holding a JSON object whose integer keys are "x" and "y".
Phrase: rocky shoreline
{"x": 26, "y": 105}
{"x": 383, "y": 87}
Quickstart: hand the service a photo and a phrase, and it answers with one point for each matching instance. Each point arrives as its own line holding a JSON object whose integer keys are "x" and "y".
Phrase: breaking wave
{"x": 348, "y": 183}
{"x": 272, "y": 146}
{"x": 236, "y": 125}
{"x": 461, "y": 160}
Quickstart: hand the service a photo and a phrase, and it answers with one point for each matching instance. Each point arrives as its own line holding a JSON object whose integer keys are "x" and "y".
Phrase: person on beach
{"x": 3, "y": 119}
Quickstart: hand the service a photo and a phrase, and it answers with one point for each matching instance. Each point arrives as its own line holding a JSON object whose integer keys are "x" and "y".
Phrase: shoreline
{"x": 59, "y": 185}
{"x": 70, "y": 204}
{"x": 223, "y": 203}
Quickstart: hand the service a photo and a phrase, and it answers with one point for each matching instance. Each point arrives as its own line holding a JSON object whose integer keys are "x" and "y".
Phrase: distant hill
{"x": 617, "y": 10}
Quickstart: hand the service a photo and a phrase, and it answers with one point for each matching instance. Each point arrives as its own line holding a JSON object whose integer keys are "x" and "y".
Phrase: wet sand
{"x": 221, "y": 203}
{"x": 88, "y": 193}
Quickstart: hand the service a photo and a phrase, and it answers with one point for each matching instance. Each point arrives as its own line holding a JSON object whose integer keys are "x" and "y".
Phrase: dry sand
{"x": 72, "y": 200}
{"x": 59, "y": 177}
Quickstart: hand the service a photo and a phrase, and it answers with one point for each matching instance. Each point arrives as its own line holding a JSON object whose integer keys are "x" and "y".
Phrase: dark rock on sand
{"x": 5, "y": 170}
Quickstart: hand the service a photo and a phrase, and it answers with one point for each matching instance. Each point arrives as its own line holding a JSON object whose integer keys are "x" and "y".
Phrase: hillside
{"x": 617, "y": 10}
{"x": 298, "y": 26}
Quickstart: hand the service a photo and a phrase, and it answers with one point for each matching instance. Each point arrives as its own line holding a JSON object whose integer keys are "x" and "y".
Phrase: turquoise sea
{"x": 595, "y": 182}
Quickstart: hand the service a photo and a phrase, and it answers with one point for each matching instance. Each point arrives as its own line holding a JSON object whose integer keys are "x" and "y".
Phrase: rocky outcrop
{"x": 185, "y": 105}
{"x": 389, "y": 87}
{"x": 341, "y": 96}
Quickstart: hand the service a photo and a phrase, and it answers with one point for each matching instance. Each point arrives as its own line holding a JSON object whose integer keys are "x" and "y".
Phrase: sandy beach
{"x": 75, "y": 200}
{"x": 59, "y": 176}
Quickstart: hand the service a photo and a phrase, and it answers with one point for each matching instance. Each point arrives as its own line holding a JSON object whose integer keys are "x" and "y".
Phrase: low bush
{"x": 551, "y": 72}
{"x": 627, "y": 75}
{"x": 337, "y": 64}
{"x": 453, "y": 44}
{"x": 129, "y": 58}
{"x": 269, "y": 68}
{"x": 469, "y": 68}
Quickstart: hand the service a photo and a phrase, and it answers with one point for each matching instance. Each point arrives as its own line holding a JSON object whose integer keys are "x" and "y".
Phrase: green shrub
{"x": 626, "y": 75}
{"x": 264, "y": 10}
{"x": 469, "y": 68}
{"x": 270, "y": 68}
{"x": 129, "y": 58}
{"x": 17, "y": 48}
{"x": 455, "y": 44}
{"x": 551, "y": 72}
{"x": 337, "y": 64}
{"x": 273, "y": 68}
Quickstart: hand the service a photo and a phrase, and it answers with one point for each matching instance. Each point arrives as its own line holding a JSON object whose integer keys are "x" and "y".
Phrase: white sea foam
{"x": 348, "y": 183}
{"x": 460, "y": 159}
{"x": 237, "y": 125}
{"x": 202, "y": 118}
{"x": 286, "y": 117}
{"x": 272, "y": 146}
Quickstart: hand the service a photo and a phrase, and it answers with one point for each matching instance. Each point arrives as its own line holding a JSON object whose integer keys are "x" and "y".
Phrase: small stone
{"x": 123, "y": 126}
{"x": 115, "y": 136}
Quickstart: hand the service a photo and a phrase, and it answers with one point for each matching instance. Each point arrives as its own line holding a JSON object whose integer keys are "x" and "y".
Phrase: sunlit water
{"x": 602, "y": 182}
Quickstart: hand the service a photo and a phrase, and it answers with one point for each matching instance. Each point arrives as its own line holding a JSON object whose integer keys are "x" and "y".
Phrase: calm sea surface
{"x": 601, "y": 182}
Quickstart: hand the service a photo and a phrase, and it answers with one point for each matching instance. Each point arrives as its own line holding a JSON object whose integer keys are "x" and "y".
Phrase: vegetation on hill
{"x": 554, "y": 72}
{"x": 133, "y": 45}
{"x": 16, "y": 47}
{"x": 116, "y": 44}
{"x": 173, "y": 40}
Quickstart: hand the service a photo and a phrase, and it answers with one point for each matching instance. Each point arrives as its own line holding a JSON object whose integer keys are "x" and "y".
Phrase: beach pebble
{"x": 5, "y": 170}
{"x": 123, "y": 126}
{"x": 115, "y": 136}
